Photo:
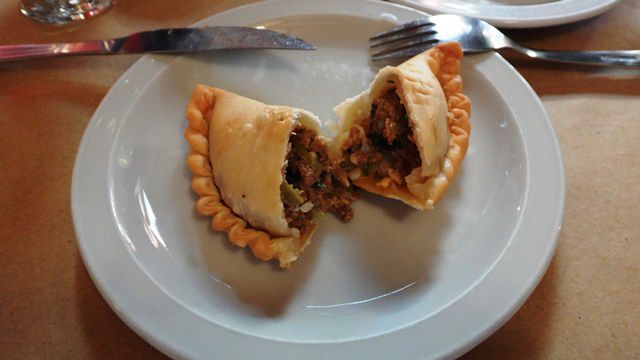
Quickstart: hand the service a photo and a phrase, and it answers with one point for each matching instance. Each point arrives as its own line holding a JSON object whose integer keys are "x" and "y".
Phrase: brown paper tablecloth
{"x": 586, "y": 306}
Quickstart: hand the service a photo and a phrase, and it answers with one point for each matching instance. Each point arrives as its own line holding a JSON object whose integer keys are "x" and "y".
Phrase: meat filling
{"x": 311, "y": 185}
{"x": 386, "y": 148}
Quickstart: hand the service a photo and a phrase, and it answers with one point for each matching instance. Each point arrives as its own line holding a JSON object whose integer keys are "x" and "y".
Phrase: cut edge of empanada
{"x": 423, "y": 192}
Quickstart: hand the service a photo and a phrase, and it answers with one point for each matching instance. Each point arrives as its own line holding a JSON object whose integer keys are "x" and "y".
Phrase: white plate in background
{"x": 393, "y": 283}
{"x": 516, "y": 13}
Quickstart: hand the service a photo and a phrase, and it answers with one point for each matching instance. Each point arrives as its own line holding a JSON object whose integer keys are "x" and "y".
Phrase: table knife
{"x": 176, "y": 40}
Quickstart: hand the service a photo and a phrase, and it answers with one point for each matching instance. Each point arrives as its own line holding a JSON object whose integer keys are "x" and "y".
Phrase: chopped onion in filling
{"x": 386, "y": 148}
{"x": 312, "y": 182}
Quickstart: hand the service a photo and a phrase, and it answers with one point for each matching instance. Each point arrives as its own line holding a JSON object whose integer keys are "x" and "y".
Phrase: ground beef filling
{"x": 386, "y": 147}
{"x": 311, "y": 186}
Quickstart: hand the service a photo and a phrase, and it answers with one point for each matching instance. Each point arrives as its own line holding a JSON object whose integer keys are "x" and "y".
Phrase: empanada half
{"x": 262, "y": 172}
{"x": 405, "y": 137}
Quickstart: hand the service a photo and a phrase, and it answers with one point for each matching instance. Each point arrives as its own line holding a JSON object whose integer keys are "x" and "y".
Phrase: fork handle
{"x": 612, "y": 57}
{"x": 22, "y": 52}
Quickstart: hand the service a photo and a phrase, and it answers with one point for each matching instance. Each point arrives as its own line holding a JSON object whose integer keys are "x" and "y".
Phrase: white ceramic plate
{"x": 394, "y": 283}
{"x": 517, "y": 13}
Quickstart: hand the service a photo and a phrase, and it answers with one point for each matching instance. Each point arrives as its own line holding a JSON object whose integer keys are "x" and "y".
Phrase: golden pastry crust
{"x": 263, "y": 244}
{"x": 426, "y": 184}
{"x": 445, "y": 63}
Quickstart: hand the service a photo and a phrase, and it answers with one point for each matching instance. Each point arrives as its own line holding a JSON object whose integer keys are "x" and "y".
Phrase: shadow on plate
{"x": 262, "y": 285}
{"x": 400, "y": 246}
{"x": 394, "y": 245}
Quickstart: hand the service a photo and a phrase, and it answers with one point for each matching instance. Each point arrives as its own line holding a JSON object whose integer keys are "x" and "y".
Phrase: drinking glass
{"x": 62, "y": 11}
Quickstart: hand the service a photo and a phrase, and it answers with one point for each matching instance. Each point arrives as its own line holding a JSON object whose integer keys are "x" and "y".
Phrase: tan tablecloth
{"x": 587, "y": 305}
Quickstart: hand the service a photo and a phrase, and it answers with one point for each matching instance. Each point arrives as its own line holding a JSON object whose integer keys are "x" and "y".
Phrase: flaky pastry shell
{"x": 238, "y": 148}
{"x": 430, "y": 87}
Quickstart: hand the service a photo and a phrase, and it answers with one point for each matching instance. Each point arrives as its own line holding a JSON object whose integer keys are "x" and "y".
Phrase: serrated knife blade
{"x": 173, "y": 40}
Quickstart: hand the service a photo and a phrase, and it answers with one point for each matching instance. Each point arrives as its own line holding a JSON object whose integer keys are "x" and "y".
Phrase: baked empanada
{"x": 405, "y": 137}
{"x": 262, "y": 172}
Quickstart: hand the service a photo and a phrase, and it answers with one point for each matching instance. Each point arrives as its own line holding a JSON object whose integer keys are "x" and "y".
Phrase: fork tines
{"x": 403, "y": 41}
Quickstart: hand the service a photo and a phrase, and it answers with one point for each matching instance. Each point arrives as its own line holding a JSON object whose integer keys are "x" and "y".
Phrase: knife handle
{"x": 32, "y": 51}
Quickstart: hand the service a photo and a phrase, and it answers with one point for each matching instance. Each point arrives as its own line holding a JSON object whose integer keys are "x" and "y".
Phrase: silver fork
{"x": 476, "y": 36}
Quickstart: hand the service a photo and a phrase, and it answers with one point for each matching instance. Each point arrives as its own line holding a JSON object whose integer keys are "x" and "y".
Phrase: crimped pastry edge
{"x": 263, "y": 245}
